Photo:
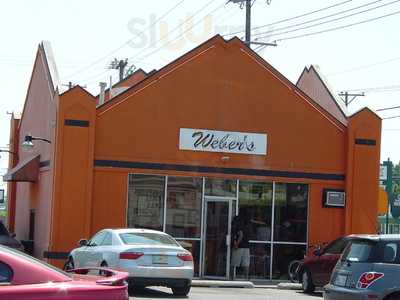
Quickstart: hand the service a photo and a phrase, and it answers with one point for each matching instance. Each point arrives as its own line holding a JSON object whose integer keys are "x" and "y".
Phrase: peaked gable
{"x": 220, "y": 85}
{"x": 313, "y": 83}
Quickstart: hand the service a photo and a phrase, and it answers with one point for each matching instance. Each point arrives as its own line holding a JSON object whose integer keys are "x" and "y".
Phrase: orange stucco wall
{"x": 219, "y": 86}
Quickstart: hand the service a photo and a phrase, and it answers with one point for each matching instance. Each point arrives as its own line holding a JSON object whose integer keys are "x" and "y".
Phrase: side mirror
{"x": 83, "y": 242}
{"x": 317, "y": 252}
{"x": 13, "y": 235}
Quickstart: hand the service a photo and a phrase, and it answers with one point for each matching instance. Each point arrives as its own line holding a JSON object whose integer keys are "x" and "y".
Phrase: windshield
{"x": 34, "y": 260}
{"x": 147, "y": 238}
{"x": 359, "y": 251}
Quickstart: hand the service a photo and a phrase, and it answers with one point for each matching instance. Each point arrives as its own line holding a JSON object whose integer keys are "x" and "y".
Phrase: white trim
{"x": 272, "y": 230}
{"x": 165, "y": 204}
{"x": 290, "y": 243}
{"x": 187, "y": 239}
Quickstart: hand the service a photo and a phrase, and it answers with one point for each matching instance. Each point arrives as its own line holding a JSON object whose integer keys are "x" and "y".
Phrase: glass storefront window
{"x": 146, "y": 201}
{"x": 260, "y": 260}
{"x": 255, "y": 202}
{"x": 220, "y": 187}
{"x": 283, "y": 255}
{"x": 184, "y": 207}
{"x": 194, "y": 247}
{"x": 291, "y": 207}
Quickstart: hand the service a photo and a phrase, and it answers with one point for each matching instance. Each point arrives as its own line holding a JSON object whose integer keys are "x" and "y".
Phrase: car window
{"x": 97, "y": 240}
{"x": 336, "y": 247}
{"x": 359, "y": 251}
{"x": 6, "y": 273}
{"x": 389, "y": 252}
{"x": 147, "y": 238}
{"x": 107, "y": 240}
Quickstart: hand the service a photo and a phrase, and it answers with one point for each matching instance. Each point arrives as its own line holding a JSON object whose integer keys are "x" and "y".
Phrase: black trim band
{"x": 205, "y": 169}
{"x": 44, "y": 163}
{"x": 366, "y": 142}
{"x": 78, "y": 123}
{"x": 55, "y": 255}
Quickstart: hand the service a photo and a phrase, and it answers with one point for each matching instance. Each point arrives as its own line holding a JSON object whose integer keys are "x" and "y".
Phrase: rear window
{"x": 359, "y": 251}
{"x": 147, "y": 238}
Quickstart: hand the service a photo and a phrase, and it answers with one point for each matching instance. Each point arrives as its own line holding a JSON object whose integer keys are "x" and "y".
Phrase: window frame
{"x": 11, "y": 272}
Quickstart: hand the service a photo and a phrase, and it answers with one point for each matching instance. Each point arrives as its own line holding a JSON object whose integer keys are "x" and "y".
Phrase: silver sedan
{"x": 152, "y": 258}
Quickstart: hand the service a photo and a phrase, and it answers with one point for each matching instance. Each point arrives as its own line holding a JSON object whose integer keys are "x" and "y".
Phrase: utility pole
{"x": 347, "y": 95}
{"x": 248, "y": 22}
{"x": 119, "y": 65}
{"x": 249, "y": 4}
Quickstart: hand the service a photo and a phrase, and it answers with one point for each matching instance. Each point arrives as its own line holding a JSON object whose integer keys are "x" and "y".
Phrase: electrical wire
{"x": 180, "y": 35}
{"x": 387, "y": 108}
{"x": 272, "y": 32}
{"x": 338, "y": 28}
{"x": 363, "y": 67}
{"x": 293, "y": 18}
{"x": 123, "y": 45}
{"x": 388, "y": 88}
{"x": 264, "y": 35}
{"x": 393, "y": 117}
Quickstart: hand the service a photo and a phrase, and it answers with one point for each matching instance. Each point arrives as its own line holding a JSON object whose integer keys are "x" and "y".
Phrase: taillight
{"x": 367, "y": 278}
{"x": 130, "y": 255}
{"x": 185, "y": 256}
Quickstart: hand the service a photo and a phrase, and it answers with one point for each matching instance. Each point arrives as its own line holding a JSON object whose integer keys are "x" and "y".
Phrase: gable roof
{"x": 109, "y": 105}
{"x": 315, "y": 85}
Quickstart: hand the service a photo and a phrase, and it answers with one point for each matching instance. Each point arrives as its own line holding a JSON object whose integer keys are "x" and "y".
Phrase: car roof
{"x": 135, "y": 230}
{"x": 376, "y": 237}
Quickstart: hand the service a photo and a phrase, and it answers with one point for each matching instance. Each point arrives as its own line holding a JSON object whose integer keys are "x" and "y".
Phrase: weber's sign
{"x": 222, "y": 141}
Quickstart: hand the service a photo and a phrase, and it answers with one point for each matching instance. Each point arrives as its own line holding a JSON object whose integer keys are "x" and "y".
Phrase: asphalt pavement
{"x": 207, "y": 293}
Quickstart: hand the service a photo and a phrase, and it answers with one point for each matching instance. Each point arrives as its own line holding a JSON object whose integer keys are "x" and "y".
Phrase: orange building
{"x": 185, "y": 148}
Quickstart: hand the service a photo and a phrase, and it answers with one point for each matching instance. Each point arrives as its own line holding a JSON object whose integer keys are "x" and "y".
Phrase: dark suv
{"x": 8, "y": 239}
{"x": 368, "y": 269}
{"x": 316, "y": 269}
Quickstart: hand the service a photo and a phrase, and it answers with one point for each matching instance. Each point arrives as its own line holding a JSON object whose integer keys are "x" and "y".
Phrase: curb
{"x": 289, "y": 286}
{"x": 222, "y": 284}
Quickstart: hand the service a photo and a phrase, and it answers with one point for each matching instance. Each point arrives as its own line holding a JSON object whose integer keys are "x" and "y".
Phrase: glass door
{"x": 219, "y": 213}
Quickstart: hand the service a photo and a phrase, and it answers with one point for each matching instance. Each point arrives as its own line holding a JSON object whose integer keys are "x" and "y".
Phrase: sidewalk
{"x": 245, "y": 284}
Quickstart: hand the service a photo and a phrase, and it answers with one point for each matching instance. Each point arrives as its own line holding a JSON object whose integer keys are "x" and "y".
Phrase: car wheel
{"x": 306, "y": 282}
{"x": 181, "y": 291}
{"x": 393, "y": 297}
{"x": 69, "y": 265}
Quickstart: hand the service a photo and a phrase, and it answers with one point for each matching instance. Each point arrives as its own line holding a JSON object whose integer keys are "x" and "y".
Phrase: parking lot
{"x": 228, "y": 294}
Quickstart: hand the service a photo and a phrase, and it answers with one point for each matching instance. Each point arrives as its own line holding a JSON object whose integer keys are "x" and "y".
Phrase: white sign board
{"x": 222, "y": 141}
{"x": 383, "y": 172}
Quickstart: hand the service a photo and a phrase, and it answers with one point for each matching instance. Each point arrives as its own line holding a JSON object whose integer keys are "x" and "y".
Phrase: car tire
{"x": 393, "y": 297}
{"x": 69, "y": 265}
{"x": 181, "y": 291}
{"x": 306, "y": 282}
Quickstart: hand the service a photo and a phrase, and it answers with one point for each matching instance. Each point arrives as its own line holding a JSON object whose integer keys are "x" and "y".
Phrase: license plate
{"x": 340, "y": 280}
{"x": 160, "y": 259}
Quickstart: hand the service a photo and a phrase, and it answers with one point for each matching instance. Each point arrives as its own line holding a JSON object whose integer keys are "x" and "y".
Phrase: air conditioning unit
{"x": 333, "y": 198}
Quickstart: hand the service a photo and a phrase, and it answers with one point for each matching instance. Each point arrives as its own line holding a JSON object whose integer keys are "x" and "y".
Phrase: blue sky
{"x": 87, "y": 35}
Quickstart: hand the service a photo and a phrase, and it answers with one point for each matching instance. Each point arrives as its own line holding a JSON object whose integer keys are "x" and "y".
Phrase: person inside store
{"x": 240, "y": 245}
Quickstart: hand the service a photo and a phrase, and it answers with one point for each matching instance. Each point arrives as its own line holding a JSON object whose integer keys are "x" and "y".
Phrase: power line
{"x": 338, "y": 28}
{"x": 387, "y": 108}
{"x": 124, "y": 44}
{"x": 388, "y": 88}
{"x": 293, "y": 18}
{"x": 362, "y": 67}
{"x": 265, "y": 34}
{"x": 170, "y": 41}
{"x": 388, "y": 118}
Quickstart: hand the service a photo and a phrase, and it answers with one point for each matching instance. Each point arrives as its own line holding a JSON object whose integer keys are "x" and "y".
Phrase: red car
{"x": 24, "y": 277}
{"x": 315, "y": 270}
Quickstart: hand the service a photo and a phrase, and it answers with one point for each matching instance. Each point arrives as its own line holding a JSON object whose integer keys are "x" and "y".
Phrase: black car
{"x": 8, "y": 239}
